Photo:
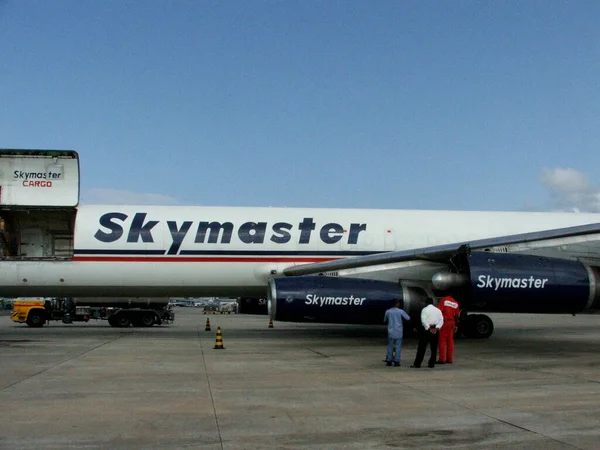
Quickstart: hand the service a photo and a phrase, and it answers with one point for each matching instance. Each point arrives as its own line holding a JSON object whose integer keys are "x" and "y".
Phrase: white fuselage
{"x": 224, "y": 251}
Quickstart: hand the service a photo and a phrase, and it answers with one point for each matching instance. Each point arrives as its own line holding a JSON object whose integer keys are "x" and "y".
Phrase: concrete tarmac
{"x": 534, "y": 384}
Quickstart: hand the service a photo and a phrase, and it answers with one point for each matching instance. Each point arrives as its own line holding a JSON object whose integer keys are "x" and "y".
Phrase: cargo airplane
{"x": 321, "y": 265}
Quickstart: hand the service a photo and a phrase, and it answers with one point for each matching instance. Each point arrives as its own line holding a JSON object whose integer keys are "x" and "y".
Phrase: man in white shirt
{"x": 431, "y": 322}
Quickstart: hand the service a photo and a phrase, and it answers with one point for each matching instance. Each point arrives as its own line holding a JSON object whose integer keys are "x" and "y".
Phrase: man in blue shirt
{"x": 393, "y": 317}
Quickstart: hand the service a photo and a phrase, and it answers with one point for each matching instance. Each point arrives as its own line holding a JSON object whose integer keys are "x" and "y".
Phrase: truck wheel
{"x": 122, "y": 320}
{"x": 147, "y": 320}
{"x": 35, "y": 319}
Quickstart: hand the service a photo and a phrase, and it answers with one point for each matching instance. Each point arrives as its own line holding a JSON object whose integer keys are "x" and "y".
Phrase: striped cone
{"x": 271, "y": 323}
{"x": 207, "y": 328}
{"x": 219, "y": 340}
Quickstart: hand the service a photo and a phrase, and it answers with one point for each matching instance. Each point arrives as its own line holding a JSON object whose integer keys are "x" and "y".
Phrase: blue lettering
{"x": 355, "y": 229}
{"x": 140, "y": 229}
{"x": 116, "y": 230}
{"x": 329, "y": 229}
{"x": 177, "y": 235}
{"x": 215, "y": 228}
{"x": 252, "y": 232}
{"x": 112, "y": 229}
{"x": 306, "y": 227}
{"x": 279, "y": 229}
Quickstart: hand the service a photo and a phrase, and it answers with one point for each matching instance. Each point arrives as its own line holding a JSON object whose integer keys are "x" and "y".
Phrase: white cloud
{"x": 571, "y": 190}
{"x": 99, "y": 196}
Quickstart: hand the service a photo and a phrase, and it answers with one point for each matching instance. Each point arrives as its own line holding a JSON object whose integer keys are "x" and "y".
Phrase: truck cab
{"x": 32, "y": 311}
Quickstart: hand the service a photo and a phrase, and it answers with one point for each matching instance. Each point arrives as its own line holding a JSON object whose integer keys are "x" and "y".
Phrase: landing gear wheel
{"x": 479, "y": 326}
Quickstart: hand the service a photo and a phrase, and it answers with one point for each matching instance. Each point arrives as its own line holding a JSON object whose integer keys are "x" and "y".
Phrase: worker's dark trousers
{"x": 426, "y": 338}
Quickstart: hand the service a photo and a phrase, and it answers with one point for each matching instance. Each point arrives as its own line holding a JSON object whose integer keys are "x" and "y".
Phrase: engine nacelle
{"x": 504, "y": 282}
{"x": 338, "y": 300}
{"x": 253, "y": 305}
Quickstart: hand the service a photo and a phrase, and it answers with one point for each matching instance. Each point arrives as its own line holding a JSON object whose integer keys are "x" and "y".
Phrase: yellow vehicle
{"x": 211, "y": 309}
{"x": 119, "y": 312}
{"x": 30, "y": 311}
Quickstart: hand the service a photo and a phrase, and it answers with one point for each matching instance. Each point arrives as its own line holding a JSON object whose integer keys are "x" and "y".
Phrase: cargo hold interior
{"x": 37, "y": 234}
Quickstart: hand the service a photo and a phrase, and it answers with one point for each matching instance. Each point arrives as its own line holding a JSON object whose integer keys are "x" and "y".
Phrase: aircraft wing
{"x": 578, "y": 243}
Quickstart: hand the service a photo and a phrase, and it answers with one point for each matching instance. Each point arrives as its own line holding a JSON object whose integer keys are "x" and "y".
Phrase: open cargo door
{"x": 39, "y": 194}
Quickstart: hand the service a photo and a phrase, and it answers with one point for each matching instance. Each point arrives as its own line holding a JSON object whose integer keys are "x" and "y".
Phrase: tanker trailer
{"x": 118, "y": 311}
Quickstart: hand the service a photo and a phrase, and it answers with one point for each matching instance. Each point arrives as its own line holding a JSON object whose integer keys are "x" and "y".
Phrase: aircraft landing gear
{"x": 477, "y": 326}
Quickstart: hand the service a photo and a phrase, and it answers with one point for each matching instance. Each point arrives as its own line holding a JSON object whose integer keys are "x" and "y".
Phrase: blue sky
{"x": 410, "y": 104}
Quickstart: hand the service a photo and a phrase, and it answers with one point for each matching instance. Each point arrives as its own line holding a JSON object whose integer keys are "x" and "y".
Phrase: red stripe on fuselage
{"x": 203, "y": 259}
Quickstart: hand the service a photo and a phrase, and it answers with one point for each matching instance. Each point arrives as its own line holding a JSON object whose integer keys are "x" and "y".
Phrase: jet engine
{"x": 338, "y": 300}
{"x": 505, "y": 282}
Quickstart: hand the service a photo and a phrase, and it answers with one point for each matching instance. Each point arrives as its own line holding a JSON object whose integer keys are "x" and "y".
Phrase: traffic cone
{"x": 271, "y": 323}
{"x": 207, "y": 328}
{"x": 219, "y": 340}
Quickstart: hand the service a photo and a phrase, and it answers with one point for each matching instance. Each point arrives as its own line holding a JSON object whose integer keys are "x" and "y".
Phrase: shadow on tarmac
{"x": 551, "y": 339}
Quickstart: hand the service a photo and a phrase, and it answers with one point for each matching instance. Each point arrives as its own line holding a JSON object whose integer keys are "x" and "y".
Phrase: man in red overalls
{"x": 450, "y": 312}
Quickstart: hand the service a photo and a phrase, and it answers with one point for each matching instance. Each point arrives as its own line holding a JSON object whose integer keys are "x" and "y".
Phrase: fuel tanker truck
{"x": 118, "y": 311}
